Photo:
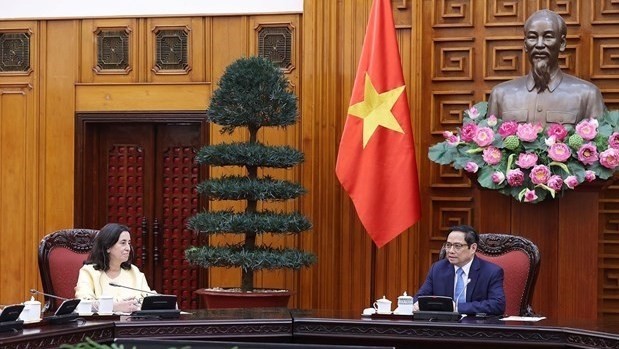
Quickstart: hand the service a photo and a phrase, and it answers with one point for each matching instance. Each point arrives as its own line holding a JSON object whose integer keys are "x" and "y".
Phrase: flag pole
{"x": 373, "y": 296}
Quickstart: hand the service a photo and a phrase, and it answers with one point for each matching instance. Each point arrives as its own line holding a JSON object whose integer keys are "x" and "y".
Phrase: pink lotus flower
{"x": 527, "y": 132}
{"x": 609, "y": 158}
{"x": 515, "y": 177}
{"x": 587, "y": 129}
{"x": 526, "y": 160}
{"x": 498, "y": 177}
{"x": 571, "y": 182}
{"x": 508, "y": 128}
{"x": 555, "y": 182}
{"x": 613, "y": 140}
{"x": 559, "y": 152}
{"x": 451, "y": 139}
{"x": 484, "y": 136}
{"x": 471, "y": 167}
{"x": 492, "y": 155}
{"x": 529, "y": 195}
{"x": 468, "y": 132}
{"x": 589, "y": 176}
{"x": 588, "y": 153}
{"x": 557, "y": 130}
{"x": 540, "y": 174}
{"x": 492, "y": 121}
{"x": 473, "y": 113}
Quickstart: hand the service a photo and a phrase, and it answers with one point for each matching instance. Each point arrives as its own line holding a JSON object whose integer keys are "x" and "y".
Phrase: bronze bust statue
{"x": 546, "y": 94}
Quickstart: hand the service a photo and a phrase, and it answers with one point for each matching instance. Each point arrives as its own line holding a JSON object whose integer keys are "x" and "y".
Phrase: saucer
{"x": 399, "y": 313}
{"x": 105, "y": 314}
{"x": 90, "y": 313}
{"x": 384, "y": 312}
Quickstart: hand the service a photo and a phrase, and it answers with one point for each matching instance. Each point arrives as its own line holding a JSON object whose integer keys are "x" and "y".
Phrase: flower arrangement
{"x": 528, "y": 161}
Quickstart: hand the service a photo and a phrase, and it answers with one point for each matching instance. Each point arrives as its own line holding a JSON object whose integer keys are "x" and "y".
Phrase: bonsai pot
{"x": 218, "y": 298}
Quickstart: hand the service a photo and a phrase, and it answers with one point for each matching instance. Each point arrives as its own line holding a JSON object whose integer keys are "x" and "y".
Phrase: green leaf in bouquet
{"x": 482, "y": 108}
{"x": 535, "y": 145}
{"x": 560, "y": 165}
{"x": 604, "y": 130}
{"x": 601, "y": 172}
{"x": 442, "y": 153}
{"x": 484, "y": 177}
{"x": 577, "y": 169}
{"x": 612, "y": 117}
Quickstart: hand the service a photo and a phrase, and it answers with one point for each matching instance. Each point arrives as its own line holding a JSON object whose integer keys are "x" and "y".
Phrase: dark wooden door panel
{"x": 143, "y": 174}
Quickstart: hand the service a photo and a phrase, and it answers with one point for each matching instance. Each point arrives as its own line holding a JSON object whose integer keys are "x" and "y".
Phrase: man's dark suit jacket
{"x": 484, "y": 293}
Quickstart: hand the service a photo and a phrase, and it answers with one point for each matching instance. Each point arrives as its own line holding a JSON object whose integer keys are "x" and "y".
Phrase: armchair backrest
{"x": 520, "y": 260}
{"x": 61, "y": 255}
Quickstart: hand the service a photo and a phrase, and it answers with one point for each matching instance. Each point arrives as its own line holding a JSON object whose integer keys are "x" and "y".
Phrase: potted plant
{"x": 252, "y": 93}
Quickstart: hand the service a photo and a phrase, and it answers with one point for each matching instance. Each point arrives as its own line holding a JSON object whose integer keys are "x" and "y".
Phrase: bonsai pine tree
{"x": 252, "y": 93}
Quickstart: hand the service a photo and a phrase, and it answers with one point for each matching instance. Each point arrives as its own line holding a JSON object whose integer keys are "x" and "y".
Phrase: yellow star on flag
{"x": 375, "y": 110}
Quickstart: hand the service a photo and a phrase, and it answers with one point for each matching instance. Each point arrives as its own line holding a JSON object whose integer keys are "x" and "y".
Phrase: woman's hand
{"x": 126, "y": 305}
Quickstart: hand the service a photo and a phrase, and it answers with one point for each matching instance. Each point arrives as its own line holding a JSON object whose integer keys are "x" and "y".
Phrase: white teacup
{"x": 32, "y": 310}
{"x": 85, "y": 306}
{"x": 105, "y": 305}
{"x": 405, "y": 304}
{"x": 382, "y": 306}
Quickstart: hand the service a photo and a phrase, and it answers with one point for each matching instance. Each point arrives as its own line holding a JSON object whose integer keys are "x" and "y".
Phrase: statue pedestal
{"x": 566, "y": 231}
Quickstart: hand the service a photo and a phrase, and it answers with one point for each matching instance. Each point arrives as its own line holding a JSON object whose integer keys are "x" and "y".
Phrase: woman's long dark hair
{"x": 106, "y": 238}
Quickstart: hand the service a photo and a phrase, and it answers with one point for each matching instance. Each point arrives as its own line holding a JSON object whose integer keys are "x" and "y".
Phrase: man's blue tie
{"x": 459, "y": 296}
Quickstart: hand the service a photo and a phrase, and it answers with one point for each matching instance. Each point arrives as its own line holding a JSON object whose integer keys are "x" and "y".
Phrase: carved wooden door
{"x": 144, "y": 175}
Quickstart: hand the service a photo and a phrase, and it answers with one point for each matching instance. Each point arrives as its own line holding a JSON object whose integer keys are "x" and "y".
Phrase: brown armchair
{"x": 61, "y": 255}
{"x": 520, "y": 260}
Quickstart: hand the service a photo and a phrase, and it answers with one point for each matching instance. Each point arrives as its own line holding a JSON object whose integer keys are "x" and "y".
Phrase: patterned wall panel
{"x": 113, "y": 50}
{"x": 611, "y": 98}
{"x": 180, "y": 201}
{"x": 452, "y": 13}
{"x": 568, "y": 9}
{"x": 504, "y": 58}
{"x": 604, "y": 11}
{"x": 402, "y": 13}
{"x": 609, "y": 256}
{"x": 452, "y": 59}
{"x": 275, "y": 43}
{"x": 171, "y": 50}
{"x": 605, "y": 56}
{"x": 447, "y": 107}
{"x": 15, "y": 53}
{"x": 125, "y": 190}
{"x": 447, "y": 212}
{"x": 505, "y": 12}
{"x": 569, "y": 60}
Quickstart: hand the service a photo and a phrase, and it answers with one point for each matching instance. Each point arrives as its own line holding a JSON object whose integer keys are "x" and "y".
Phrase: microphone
{"x": 33, "y": 291}
{"x": 461, "y": 292}
{"x": 131, "y": 288}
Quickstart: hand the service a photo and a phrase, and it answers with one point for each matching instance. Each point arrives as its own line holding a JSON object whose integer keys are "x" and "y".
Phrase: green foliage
{"x": 249, "y": 154}
{"x": 249, "y": 222}
{"x": 252, "y": 93}
{"x": 249, "y": 259}
{"x": 245, "y": 188}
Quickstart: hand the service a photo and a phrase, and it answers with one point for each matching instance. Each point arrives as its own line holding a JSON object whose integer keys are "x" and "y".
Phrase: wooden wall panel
{"x": 18, "y": 180}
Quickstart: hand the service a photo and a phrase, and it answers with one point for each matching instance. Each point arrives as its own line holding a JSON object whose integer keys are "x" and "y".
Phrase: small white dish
{"x": 86, "y": 314}
{"x": 384, "y": 312}
{"x": 399, "y": 313}
{"x": 32, "y": 321}
{"x": 368, "y": 311}
{"x": 105, "y": 314}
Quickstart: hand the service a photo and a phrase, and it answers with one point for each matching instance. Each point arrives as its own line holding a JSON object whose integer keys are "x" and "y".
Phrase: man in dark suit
{"x": 475, "y": 285}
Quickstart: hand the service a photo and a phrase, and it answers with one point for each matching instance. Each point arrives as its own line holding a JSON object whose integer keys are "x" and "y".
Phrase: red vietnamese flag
{"x": 376, "y": 160}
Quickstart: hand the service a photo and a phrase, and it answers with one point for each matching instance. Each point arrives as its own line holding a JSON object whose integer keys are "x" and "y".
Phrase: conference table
{"x": 318, "y": 327}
